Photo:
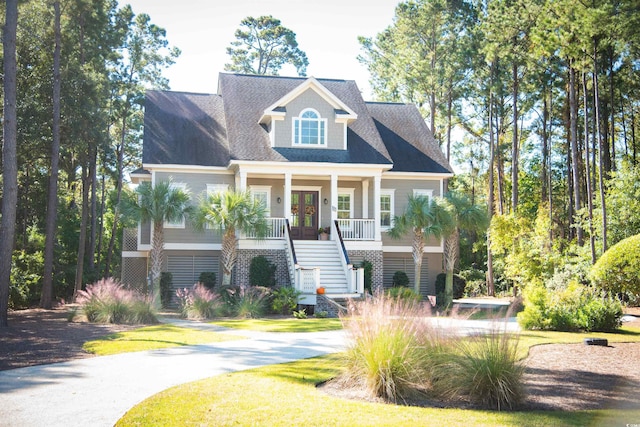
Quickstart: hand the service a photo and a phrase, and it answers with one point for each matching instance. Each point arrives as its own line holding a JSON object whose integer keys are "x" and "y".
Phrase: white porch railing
{"x": 355, "y": 276}
{"x": 357, "y": 229}
{"x": 276, "y": 229}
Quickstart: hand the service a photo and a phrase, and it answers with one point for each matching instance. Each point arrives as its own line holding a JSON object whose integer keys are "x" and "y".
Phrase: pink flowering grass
{"x": 108, "y": 301}
{"x": 199, "y": 302}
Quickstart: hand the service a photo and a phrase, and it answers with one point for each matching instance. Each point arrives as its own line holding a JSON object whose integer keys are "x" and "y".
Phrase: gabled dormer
{"x": 310, "y": 116}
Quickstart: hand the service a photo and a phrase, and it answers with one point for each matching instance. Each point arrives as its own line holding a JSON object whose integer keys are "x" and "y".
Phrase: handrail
{"x": 290, "y": 239}
{"x": 344, "y": 249}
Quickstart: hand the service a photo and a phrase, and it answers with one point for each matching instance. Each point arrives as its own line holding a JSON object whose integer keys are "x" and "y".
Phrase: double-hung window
{"x": 262, "y": 193}
{"x": 386, "y": 209}
{"x": 309, "y": 129}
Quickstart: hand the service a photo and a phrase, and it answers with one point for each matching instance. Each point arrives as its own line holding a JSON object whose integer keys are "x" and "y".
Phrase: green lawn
{"x": 152, "y": 338}
{"x": 285, "y": 395}
{"x": 282, "y": 325}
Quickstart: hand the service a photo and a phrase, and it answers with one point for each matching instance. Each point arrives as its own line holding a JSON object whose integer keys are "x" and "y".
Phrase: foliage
{"x": 618, "y": 269}
{"x": 322, "y": 314}
{"x": 285, "y": 300}
{"x": 231, "y": 211}
{"x": 262, "y": 272}
{"x": 166, "y": 288}
{"x": 208, "y": 279}
{"x": 368, "y": 274}
{"x": 400, "y": 279}
{"x": 263, "y": 46}
{"x": 459, "y": 285}
{"x": 403, "y": 293}
{"x": 476, "y": 282}
{"x": 487, "y": 369}
{"x": 199, "y": 302}
{"x": 26, "y": 278}
{"x": 386, "y": 352}
{"x": 246, "y": 301}
{"x": 300, "y": 314}
{"x": 576, "y": 308}
{"x": 107, "y": 301}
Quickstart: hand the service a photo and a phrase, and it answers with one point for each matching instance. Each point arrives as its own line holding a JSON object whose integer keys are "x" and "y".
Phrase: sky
{"x": 326, "y": 30}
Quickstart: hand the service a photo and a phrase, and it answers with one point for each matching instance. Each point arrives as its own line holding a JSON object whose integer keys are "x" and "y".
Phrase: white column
{"x": 287, "y": 196}
{"x": 365, "y": 198}
{"x": 242, "y": 183}
{"x": 376, "y": 206}
{"x": 334, "y": 201}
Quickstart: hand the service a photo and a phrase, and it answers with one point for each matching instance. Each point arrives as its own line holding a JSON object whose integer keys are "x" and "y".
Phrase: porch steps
{"x": 323, "y": 254}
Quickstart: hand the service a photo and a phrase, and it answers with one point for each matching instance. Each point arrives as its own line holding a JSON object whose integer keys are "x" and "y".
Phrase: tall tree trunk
{"x": 116, "y": 213}
{"x": 100, "y": 222}
{"x": 52, "y": 201}
{"x": 84, "y": 220}
{"x": 449, "y": 124}
{"x": 155, "y": 255}
{"x": 491, "y": 202}
{"x": 93, "y": 171}
{"x": 450, "y": 254}
{"x": 9, "y": 156}
{"x": 604, "y": 151}
{"x": 633, "y": 136}
{"x": 229, "y": 255}
{"x": 545, "y": 146}
{"x": 514, "y": 145}
{"x": 613, "y": 110}
{"x": 575, "y": 155}
{"x": 417, "y": 252}
{"x": 592, "y": 237}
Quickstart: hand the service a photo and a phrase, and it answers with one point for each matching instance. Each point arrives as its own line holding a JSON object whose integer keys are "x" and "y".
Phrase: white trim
{"x": 408, "y": 249}
{"x": 415, "y": 175}
{"x": 423, "y": 192}
{"x": 187, "y": 168}
{"x": 370, "y": 245}
{"x": 192, "y": 246}
{"x": 260, "y": 244}
{"x": 135, "y": 254}
{"x": 310, "y": 168}
{"x": 392, "y": 193}
{"x": 307, "y": 188}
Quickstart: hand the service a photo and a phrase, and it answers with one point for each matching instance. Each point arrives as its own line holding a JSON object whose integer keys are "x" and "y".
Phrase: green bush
{"x": 486, "y": 369}
{"x": 574, "y": 309}
{"x": 403, "y": 293}
{"x": 26, "y": 278}
{"x": 166, "y": 291}
{"x": 368, "y": 274}
{"x": 618, "y": 269}
{"x": 246, "y": 302}
{"x": 262, "y": 272}
{"x": 107, "y": 301}
{"x": 400, "y": 278}
{"x": 285, "y": 300}
{"x": 208, "y": 279}
{"x": 475, "y": 282}
{"x": 199, "y": 302}
{"x": 459, "y": 284}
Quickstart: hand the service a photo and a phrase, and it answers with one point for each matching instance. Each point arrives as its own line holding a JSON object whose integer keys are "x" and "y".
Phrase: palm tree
{"x": 231, "y": 211}
{"x": 159, "y": 203}
{"x": 425, "y": 217}
{"x": 464, "y": 216}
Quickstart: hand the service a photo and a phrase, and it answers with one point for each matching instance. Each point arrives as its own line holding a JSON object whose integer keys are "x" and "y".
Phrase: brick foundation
{"x": 276, "y": 256}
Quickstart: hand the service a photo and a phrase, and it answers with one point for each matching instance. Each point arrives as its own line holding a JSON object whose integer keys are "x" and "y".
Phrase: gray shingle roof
{"x": 408, "y": 138}
{"x": 212, "y": 130}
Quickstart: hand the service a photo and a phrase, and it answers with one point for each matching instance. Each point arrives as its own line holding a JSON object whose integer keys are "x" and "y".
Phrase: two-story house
{"x": 317, "y": 154}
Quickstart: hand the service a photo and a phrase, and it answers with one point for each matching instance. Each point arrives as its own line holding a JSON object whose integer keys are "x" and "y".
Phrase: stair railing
{"x": 292, "y": 260}
{"x": 355, "y": 276}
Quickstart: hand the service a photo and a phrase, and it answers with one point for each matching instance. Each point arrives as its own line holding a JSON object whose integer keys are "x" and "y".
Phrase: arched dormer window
{"x": 309, "y": 129}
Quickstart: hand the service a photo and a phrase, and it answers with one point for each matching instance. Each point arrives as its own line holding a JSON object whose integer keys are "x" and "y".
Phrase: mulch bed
{"x": 565, "y": 377}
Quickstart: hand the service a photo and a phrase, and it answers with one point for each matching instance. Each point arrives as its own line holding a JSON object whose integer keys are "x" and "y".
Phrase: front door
{"x": 304, "y": 215}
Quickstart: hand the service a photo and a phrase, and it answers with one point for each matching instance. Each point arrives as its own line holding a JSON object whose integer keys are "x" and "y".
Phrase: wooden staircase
{"x": 323, "y": 254}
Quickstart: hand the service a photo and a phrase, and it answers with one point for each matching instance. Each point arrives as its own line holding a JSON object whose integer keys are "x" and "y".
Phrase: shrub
{"x": 403, "y": 293}
{"x": 198, "y": 302}
{"x": 262, "y": 272}
{"x": 368, "y": 274}
{"x": 573, "y": 309}
{"x": 246, "y": 302}
{"x": 459, "y": 284}
{"x": 285, "y": 300}
{"x": 26, "y": 278}
{"x": 486, "y": 370}
{"x": 387, "y": 350}
{"x": 208, "y": 279}
{"x": 166, "y": 291}
{"x": 107, "y": 301}
{"x": 618, "y": 269}
{"x": 300, "y": 314}
{"x": 322, "y": 314}
{"x": 475, "y": 282}
{"x": 400, "y": 278}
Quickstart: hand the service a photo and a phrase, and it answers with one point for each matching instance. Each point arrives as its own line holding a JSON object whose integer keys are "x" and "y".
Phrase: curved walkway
{"x": 98, "y": 391}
